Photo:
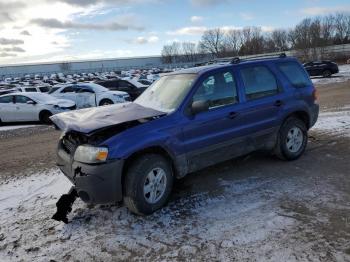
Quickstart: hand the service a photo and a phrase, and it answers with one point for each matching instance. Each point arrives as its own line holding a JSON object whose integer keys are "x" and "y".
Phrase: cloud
{"x": 207, "y": 2}
{"x": 324, "y": 10}
{"x": 4, "y": 54}
{"x": 196, "y": 19}
{"x": 199, "y": 30}
{"x": 141, "y": 40}
{"x": 85, "y": 3}
{"x": 191, "y": 30}
{"x": 5, "y": 17}
{"x": 7, "y": 41}
{"x": 15, "y": 49}
{"x": 25, "y": 32}
{"x": 246, "y": 16}
{"x": 267, "y": 29}
{"x": 56, "y": 24}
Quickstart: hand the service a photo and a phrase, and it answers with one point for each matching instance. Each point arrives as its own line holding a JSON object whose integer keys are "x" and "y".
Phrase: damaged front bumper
{"x": 94, "y": 183}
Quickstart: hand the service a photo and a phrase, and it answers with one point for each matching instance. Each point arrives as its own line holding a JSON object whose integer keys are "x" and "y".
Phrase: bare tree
{"x": 280, "y": 40}
{"x": 212, "y": 41}
{"x": 171, "y": 53}
{"x": 232, "y": 42}
{"x": 189, "y": 51}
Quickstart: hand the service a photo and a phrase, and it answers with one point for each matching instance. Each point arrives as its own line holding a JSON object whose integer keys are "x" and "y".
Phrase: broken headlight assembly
{"x": 90, "y": 154}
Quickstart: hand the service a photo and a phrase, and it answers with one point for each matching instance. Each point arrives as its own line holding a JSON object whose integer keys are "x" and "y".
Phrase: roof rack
{"x": 237, "y": 60}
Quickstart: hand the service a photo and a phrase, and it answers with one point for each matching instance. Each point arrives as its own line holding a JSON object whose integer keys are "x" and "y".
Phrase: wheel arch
{"x": 300, "y": 114}
{"x": 178, "y": 164}
{"x": 42, "y": 111}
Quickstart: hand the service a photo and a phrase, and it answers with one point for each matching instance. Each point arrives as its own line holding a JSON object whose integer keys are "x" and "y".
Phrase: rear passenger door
{"x": 263, "y": 102}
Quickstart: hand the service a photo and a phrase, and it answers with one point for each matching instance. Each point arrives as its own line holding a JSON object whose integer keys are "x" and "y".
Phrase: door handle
{"x": 278, "y": 103}
{"x": 232, "y": 115}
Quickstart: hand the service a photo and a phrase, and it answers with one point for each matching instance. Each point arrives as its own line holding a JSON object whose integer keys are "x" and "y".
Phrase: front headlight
{"x": 90, "y": 154}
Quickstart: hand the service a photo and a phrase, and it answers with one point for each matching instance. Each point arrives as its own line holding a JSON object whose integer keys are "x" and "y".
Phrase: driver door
{"x": 25, "y": 111}
{"x": 214, "y": 135}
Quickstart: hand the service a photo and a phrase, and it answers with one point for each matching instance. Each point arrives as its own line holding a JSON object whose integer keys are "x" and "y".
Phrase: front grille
{"x": 71, "y": 141}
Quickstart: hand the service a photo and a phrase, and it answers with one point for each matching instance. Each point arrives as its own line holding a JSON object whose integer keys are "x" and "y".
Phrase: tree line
{"x": 309, "y": 35}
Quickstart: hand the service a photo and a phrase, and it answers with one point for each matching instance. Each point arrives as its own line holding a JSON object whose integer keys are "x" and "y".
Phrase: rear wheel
{"x": 292, "y": 139}
{"x": 45, "y": 117}
{"x": 148, "y": 184}
{"x": 105, "y": 102}
{"x": 327, "y": 73}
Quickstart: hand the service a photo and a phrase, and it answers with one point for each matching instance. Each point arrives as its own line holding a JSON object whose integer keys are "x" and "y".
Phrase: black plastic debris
{"x": 64, "y": 205}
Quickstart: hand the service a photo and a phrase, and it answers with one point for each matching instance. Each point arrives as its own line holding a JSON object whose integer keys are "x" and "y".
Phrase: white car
{"x": 89, "y": 94}
{"x": 26, "y": 107}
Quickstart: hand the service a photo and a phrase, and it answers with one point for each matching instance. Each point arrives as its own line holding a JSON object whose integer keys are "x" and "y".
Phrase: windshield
{"x": 167, "y": 93}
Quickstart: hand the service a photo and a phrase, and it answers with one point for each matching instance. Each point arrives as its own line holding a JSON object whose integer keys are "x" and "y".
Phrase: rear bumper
{"x": 314, "y": 111}
{"x": 95, "y": 184}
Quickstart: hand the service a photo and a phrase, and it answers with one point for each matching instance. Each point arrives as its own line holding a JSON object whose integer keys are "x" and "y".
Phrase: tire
{"x": 105, "y": 102}
{"x": 326, "y": 73}
{"x": 139, "y": 196}
{"x": 44, "y": 117}
{"x": 292, "y": 139}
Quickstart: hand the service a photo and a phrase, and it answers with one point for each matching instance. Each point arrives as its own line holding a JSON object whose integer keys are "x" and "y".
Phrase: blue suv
{"x": 184, "y": 122}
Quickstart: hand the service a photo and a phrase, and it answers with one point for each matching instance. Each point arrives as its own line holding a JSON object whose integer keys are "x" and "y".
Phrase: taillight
{"x": 315, "y": 95}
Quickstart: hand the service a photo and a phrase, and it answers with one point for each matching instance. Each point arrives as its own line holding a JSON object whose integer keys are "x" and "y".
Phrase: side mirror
{"x": 31, "y": 102}
{"x": 199, "y": 106}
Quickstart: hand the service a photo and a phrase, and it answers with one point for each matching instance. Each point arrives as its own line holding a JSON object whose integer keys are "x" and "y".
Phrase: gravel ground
{"x": 254, "y": 208}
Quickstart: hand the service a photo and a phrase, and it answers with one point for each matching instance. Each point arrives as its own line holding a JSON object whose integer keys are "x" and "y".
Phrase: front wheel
{"x": 327, "y": 73}
{"x": 45, "y": 117}
{"x": 148, "y": 184}
{"x": 292, "y": 139}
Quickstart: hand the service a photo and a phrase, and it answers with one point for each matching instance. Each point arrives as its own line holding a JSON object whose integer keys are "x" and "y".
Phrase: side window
{"x": 125, "y": 84}
{"x": 258, "y": 82}
{"x": 218, "y": 89}
{"x": 6, "y": 99}
{"x": 44, "y": 89}
{"x": 22, "y": 99}
{"x": 69, "y": 89}
{"x": 84, "y": 89}
{"x": 30, "y": 89}
{"x": 295, "y": 74}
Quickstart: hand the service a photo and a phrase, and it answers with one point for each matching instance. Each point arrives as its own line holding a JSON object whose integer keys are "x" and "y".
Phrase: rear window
{"x": 295, "y": 74}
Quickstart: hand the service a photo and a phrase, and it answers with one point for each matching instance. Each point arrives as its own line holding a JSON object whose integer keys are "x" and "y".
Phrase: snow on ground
{"x": 13, "y": 127}
{"x": 342, "y": 76}
{"x": 334, "y": 123}
{"x": 250, "y": 219}
{"x": 244, "y": 222}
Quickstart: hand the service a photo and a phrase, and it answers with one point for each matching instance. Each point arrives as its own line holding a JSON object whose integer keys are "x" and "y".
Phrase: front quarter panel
{"x": 163, "y": 132}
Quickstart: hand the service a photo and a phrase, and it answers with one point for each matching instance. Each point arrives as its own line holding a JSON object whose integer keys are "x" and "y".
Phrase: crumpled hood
{"x": 91, "y": 119}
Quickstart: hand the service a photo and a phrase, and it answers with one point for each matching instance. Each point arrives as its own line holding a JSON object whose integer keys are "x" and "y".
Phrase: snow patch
{"x": 8, "y": 128}
{"x": 334, "y": 123}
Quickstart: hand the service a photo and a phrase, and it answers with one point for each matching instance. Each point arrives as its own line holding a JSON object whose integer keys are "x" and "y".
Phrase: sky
{"x": 64, "y": 30}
